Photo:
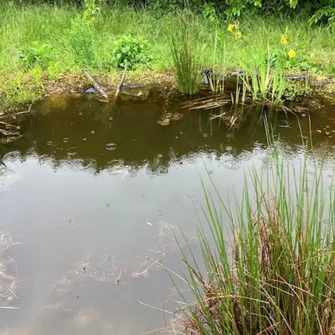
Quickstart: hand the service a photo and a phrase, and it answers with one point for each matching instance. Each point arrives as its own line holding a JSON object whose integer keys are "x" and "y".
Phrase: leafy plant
{"x": 325, "y": 15}
{"x": 130, "y": 51}
{"x": 263, "y": 81}
{"x": 36, "y": 54}
{"x": 297, "y": 88}
{"x": 209, "y": 12}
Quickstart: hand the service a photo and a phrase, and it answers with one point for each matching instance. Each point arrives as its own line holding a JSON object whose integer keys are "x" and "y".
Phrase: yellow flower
{"x": 238, "y": 35}
{"x": 283, "y": 39}
{"x": 292, "y": 53}
{"x": 231, "y": 27}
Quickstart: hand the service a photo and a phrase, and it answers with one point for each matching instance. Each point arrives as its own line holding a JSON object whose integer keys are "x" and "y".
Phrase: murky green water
{"x": 92, "y": 192}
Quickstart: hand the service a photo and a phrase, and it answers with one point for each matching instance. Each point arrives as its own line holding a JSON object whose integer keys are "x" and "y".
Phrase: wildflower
{"x": 231, "y": 27}
{"x": 292, "y": 53}
{"x": 283, "y": 39}
{"x": 238, "y": 35}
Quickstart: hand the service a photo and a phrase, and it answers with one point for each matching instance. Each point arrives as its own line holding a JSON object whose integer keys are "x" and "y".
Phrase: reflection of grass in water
{"x": 7, "y": 282}
{"x": 277, "y": 274}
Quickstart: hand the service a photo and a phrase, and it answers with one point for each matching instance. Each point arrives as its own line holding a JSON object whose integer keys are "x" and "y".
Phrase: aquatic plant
{"x": 264, "y": 81}
{"x": 187, "y": 61}
{"x": 273, "y": 269}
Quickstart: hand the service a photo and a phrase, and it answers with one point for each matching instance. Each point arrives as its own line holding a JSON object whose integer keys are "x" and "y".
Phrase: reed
{"x": 276, "y": 272}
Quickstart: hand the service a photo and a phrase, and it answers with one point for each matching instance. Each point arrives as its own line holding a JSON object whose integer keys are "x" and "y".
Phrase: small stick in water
{"x": 95, "y": 84}
{"x": 119, "y": 278}
{"x": 119, "y": 87}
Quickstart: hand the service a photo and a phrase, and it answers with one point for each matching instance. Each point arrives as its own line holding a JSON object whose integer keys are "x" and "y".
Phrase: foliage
{"x": 130, "y": 51}
{"x": 272, "y": 270}
{"x": 22, "y": 87}
{"x": 263, "y": 81}
{"x": 36, "y": 54}
{"x": 296, "y": 89}
{"x": 82, "y": 31}
{"x": 80, "y": 37}
{"x": 325, "y": 15}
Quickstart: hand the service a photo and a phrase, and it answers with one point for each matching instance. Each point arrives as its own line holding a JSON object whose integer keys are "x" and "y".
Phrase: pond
{"x": 93, "y": 193}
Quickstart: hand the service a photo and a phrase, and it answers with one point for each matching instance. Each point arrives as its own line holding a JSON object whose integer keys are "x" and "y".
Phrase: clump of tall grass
{"x": 276, "y": 274}
{"x": 186, "y": 61}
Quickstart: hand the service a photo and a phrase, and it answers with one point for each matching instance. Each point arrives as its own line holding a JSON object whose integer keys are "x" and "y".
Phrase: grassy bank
{"x": 64, "y": 45}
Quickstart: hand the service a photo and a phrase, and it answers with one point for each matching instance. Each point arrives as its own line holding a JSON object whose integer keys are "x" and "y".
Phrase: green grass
{"x": 276, "y": 272}
{"x": 187, "y": 61}
{"x": 72, "y": 46}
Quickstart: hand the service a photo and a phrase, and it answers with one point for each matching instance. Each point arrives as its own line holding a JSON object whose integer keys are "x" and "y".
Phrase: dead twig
{"x": 8, "y": 133}
{"x": 119, "y": 87}
{"x": 8, "y": 125}
{"x": 95, "y": 84}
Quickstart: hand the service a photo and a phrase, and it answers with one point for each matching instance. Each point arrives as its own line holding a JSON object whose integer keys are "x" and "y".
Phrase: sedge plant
{"x": 275, "y": 274}
{"x": 187, "y": 61}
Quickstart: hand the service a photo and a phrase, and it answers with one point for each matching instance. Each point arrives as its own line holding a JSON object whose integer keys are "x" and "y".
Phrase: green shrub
{"x": 35, "y": 54}
{"x": 130, "y": 51}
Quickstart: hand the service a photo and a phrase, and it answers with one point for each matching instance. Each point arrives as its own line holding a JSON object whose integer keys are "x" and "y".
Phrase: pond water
{"x": 92, "y": 193}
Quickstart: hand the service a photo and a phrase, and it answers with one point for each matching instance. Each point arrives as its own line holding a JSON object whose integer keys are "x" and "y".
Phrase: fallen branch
{"x": 95, "y": 84}
{"x": 8, "y": 133}
{"x": 8, "y": 125}
{"x": 119, "y": 87}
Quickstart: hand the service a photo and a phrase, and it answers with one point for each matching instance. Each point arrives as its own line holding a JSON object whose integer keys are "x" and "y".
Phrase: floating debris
{"x": 49, "y": 143}
{"x": 177, "y": 117}
{"x": 232, "y": 164}
{"x": 108, "y": 270}
{"x": 285, "y": 124}
{"x": 110, "y": 146}
{"x": 164, "y": 123}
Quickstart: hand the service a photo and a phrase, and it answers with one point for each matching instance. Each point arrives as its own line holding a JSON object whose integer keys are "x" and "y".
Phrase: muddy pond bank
{"x": 92, "y": 192}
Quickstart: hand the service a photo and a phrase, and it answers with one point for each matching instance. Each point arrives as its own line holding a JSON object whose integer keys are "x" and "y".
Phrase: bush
{"x": 130, "y": 51}
{"x": 35, "y": 54}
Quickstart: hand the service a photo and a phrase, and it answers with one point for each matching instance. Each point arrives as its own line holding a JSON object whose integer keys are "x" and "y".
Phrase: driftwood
{"x": 95, "y": 84}
{"x": 119, "y": 87}
{"x": 8, "y": 125}
{"x": 8, "y": 133}
{"x": 14, "y": 115}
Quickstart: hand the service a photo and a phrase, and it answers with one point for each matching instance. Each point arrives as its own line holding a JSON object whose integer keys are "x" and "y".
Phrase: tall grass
{"x": 276, "y": 274}
{"x": 186, "y": 61}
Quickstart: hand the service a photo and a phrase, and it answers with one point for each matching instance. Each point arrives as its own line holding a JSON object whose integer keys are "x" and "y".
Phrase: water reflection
{"x": 90, "y": 179}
